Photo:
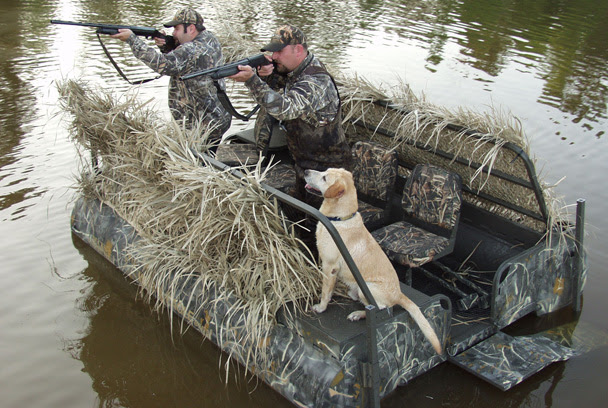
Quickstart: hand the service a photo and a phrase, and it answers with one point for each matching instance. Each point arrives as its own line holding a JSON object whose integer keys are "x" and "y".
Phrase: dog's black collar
{"x": 342, "y": 218}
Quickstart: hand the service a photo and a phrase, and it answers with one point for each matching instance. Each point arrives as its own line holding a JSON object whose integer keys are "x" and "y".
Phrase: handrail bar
{"x": 370, "y": 370}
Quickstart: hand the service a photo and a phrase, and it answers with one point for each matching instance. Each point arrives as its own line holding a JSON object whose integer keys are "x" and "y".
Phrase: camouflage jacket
{"x": 194, "y": 99}
{"x": 309, "y": 107}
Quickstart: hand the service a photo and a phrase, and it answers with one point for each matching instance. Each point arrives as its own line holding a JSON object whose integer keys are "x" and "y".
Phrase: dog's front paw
{"x": 319, "y": 308}
{"x": 358, "y": 315}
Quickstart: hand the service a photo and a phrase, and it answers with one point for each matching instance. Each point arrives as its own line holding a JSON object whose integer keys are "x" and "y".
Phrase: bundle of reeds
{"x": 195, "y": 220}
{"x": 475, "y": 136}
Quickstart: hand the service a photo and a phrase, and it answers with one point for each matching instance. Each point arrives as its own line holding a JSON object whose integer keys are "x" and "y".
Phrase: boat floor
{"x": 332, "y": 331}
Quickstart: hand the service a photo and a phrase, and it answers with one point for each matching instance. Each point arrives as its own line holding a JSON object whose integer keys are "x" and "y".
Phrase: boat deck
{"x": 332, "y": 332}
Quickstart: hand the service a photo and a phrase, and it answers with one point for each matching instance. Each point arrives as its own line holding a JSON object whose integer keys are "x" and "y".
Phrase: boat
{"x": 509, "y": 254}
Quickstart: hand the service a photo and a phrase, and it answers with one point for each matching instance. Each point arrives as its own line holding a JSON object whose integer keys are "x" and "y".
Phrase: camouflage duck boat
{"x": 481, "y": 249}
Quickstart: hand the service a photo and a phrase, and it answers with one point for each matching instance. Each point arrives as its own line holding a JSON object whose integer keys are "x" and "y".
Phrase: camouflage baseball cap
{"x": 186, "y": 15}
{"x": 285, "y": 35}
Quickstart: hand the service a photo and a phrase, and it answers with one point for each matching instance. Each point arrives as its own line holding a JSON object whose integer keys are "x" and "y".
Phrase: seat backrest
{"x": 374, "y": 172}
{"x": 433, "y": 195}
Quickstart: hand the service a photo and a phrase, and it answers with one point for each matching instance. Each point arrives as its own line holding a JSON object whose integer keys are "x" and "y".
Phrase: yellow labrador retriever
{"x": 340, "y": 206}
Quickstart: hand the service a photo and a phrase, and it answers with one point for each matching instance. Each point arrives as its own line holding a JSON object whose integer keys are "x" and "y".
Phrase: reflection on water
{"x": 133, "y": 358}
{"x": 21, "y": 57}
{"x": 562, "y": 43}
{"x": 15, "y": 94}
{"x": 547, "y": 59}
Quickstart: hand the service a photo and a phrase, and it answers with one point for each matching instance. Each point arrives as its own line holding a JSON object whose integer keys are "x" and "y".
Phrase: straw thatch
{"x": 472, "y": 144}
{"x": 194, "y": 220}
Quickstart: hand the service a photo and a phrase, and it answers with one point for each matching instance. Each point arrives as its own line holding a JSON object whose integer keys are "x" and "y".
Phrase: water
{"x": 74, "y": 334}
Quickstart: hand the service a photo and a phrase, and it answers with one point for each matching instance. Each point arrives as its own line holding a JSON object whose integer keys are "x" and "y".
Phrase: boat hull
{"x": 314, "y": 361}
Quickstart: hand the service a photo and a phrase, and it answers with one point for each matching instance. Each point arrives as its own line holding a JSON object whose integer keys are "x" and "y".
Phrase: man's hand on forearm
{"x": 245, "y": 73}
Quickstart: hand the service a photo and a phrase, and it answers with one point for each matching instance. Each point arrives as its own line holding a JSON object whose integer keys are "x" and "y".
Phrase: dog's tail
{"x": 421, "y": 321}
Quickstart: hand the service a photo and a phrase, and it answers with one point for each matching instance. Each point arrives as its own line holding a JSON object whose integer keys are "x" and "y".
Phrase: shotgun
{"x": 110, "y": 29}
{"x": 231, "y": 68}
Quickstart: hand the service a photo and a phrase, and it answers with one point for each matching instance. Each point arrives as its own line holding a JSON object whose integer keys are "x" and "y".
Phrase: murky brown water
{"x": 73, "y": 333}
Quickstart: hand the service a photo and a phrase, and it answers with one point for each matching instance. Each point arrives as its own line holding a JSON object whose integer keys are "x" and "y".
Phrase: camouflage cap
{"x": 285, "y": 35}
{"x": 186, "y": 15}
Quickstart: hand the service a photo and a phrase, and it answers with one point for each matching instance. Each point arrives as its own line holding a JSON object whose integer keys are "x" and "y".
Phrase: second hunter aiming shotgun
{"x": 231, "y": 68}
{"x": 110, "y": 29}
{"x": 225, "y": 71}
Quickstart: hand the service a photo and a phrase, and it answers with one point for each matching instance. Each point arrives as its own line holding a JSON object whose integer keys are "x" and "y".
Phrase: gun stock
{"x": 231, "y": 68}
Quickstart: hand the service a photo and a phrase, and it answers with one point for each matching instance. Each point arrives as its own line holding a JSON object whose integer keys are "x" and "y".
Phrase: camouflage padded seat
{"x": 237, "y": 154}
{"x": 282, "y": 177}
{"x": 431, "y": 204}
{"x": 374, "y": 172}
{"x": 252, "y": 143}
{"x": 409, "y": 245}
{"x": 372, "y": 215}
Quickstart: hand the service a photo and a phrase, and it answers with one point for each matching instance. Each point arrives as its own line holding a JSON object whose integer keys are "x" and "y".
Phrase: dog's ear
{"x": 336, "y": 190}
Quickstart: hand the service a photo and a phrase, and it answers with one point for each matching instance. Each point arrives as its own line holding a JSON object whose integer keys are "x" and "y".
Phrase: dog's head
{"x": 331, "y": 183}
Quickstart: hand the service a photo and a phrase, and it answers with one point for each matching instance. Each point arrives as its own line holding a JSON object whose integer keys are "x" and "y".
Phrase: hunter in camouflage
{"x": 194, "y": 100}
{"x": 265, "y": 123}
{"x": 308, "y": 106}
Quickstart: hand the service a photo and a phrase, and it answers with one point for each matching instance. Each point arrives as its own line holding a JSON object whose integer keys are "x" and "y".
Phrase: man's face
{"x": 180, "y": 34}
{"x": 287, "y": 59}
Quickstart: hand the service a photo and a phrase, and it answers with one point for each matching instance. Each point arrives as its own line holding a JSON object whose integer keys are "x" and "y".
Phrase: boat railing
{"x": 370, "y": 368}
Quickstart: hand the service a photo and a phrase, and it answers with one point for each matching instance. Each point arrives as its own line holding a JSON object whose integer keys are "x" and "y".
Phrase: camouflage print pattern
{"x": 308, "y": 373}
{"x": 540, "y": 279}
{"x": 374, "y": 171}
{"x": 237, "y": 154}
{"x": 284, "y": 36}
{"x": 194, "y": 100}
{"x": 466, "y": 288}
{"x": 309, "y": 108}
{"x": 505, "y": 361}
{"x": 403, "y": 351}
{"x": 265, "y": 123}
{"x": 187, "y": 15}
{"x": 282, "y": 177}
{"x": 371, "y": 214}
{"x": 431, "y": 195}
{"x": 469, "y": 336}
{"x": 409, "y": 245}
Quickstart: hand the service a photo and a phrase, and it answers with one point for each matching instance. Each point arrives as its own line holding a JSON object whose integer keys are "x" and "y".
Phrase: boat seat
{"x": 237, "y": 154}
{"x": 431, "y": 204}
{"x": 374, "y": 172}
{"x": 282, "y": 177}
{"x": 246, "y": 148}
